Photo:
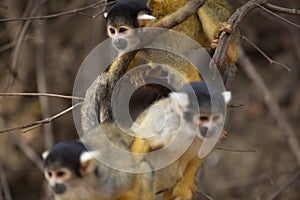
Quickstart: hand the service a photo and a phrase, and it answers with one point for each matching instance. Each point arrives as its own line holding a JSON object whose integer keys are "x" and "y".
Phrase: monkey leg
{"x": 184, "y": 189}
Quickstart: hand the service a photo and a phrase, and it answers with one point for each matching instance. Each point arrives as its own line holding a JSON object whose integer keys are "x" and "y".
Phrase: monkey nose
{"x": 58, "y": 188}
{"x": 203, "y": 131}
{"x": 120, "y": 43}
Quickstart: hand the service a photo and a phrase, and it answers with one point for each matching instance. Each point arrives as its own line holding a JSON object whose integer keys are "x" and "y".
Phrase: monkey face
{"x": 209, "y": 123}
{"x": 57, "y": 179}
{"x": 123, "y": 37}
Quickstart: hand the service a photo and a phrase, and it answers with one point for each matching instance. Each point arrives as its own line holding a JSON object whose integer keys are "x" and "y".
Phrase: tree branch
{"x": 43, "y": 121}
{"x": 271, "y": 103}
{"x": 284, "y": 186}
{"x": 42, "y": 94}
{"x": 220, "y": 55}
{"x": 270, "y": 60}
{"x": 275, "y": 8}
{"x": 70, "y": 12}
{"x": 28, "y": 152}
{"x": 278, "y": 16}
{"x": 4, "y": 184}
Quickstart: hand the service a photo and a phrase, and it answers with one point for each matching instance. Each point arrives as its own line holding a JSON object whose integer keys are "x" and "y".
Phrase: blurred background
{"x": 44, "y": 56}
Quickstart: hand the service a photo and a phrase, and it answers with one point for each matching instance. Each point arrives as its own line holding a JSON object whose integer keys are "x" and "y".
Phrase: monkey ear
{"x": 144, "y": 19}
{"x": 45, "y": 154}
{"x": 227, "y": 96}
{"x": 88, "y": 162}
{"x": 105, "y": 14}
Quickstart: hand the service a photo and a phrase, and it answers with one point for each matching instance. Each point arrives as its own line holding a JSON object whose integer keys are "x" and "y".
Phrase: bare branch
{"x": 41, "y": 82}
{"x": 4, "y": 184}
{"x": 284, "y": 186}
{"x": 18, "y": 47}
{"x": 252, "y": 180}
{"x": 275, "y": 8}
{"x": 271, "y": 61}
{"x": 235, "y": 105}
{"x": 43, "y": 121}
{"x": 28, "y": 151}
{"x": 237, "y": 150}
{"x": 271, "y": 104}
{"x": 42, "y": 94}
{"x": 70, "y": 12}
{"x": 282, "y": 18}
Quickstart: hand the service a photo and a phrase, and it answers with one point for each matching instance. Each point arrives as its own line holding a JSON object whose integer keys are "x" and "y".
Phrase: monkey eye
{"x": 204, "y": 118}
{"x": 49, "y": 174}
{"x": 217, "y": 118}
{"x": 60, "y": 173}
{"x": 112, "y": 30}
{"x": 122, "y": 30}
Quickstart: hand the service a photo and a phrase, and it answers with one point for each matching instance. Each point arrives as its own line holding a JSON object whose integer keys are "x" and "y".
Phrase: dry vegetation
{"x": 44, "y": 56}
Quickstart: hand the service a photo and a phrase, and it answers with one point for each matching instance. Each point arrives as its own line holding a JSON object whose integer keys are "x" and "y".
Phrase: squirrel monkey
{"x": 74, "y": 173}
{"x": 71, "y": 172}
{"x": 181, "y": 117}
{"x": 181, "y": 114}
{"x": 126, "y": 18}
{"x": 205, "y": 26}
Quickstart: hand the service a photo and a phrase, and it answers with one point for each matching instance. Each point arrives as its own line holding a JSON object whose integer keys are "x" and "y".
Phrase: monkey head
{"x": 123, "y": 18}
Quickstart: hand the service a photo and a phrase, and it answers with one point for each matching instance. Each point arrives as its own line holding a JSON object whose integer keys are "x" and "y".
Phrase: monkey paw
{"x": 182, "y": 192}
{"x": 138, "y": 76}
{"x": 223, "y": 27}
{"x": 224, "y": 134}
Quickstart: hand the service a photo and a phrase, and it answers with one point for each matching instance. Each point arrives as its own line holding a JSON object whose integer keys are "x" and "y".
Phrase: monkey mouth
{"x": 206, "y": 132}
{"x": 120, "y": 44}
{"x": 58, "y": 188}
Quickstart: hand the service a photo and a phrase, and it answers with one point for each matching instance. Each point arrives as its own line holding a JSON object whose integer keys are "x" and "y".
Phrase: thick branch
{"x": 220, "y": 54}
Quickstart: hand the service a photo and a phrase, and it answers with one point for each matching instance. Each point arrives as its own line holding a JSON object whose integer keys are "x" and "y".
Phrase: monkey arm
{"x": 213, "y": 15}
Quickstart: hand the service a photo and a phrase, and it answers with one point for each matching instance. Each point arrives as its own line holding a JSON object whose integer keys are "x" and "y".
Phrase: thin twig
{"x": 237, "y": 150}
{"x": 70, "y": 12}
{"x": 18, "y": 47}
{"x": 43, "y": 121}
{"x": 41, "y": 82}
{"x": 4, "y": 184}
{"x": 42, "y": 94}
{"x": 252, "y": 180}
{"x": 271, "y": 103}
{"x": 12, "y": 44}
{"x": 235, "y": 105}
{"x": 282, "y": 18}
{"x": 270, "y": 60}
{"x": 28, "y": 151}
{"x": 284, "y": 186}
{"x": 275, "y": 8}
